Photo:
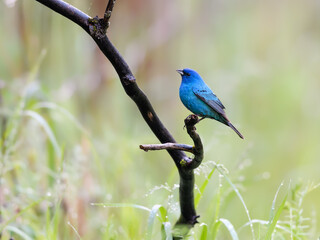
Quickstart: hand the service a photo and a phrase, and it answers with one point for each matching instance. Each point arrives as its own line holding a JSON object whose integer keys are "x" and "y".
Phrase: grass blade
{"x": 75, "y": 230}
{"x": 230, "y": 228}
{"x": 274, "y": 203}
{"x": 153, "y": 213}
{"x": 235, "y": 189}
{"x": 19, "y": 232}
{"x": 22, "y": 211}
{"x": 204, "y": 232}
{"x": 273, "y": 223}
{"x": 264, "y": 222}
{"x": 203, "y": 187}
{"x": 46, "y": 128}
{"x": 65, "y": 112}
{"x": 121, "y": 205}
{"x": 167, "y": 230}
{"x": 216, "y": 226}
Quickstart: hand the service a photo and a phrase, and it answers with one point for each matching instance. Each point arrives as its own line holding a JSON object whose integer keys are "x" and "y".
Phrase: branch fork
{"x": 98, "y": 26}
{"x": 196, "y": 150}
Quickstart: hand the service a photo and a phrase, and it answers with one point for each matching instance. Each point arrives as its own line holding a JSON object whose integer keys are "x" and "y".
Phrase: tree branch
{"x": 96, "y": 28}
{"x": 197, "y": 149}
{"x": 68, "y": 11}
{"x": 188, "y": 214}
{"x": 171, "y": 146}
{"x": 190, "y": 123}
{"x": 107, "y": 13}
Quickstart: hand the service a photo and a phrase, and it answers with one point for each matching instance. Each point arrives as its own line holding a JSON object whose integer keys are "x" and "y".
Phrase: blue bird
{"x": 199, "y": 98}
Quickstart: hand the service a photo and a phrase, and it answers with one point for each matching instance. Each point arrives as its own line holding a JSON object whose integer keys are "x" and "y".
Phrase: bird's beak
{"x": 180, "y": 72}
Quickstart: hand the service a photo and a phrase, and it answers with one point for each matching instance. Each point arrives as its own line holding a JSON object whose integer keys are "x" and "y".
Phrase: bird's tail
{"x": 236, "y": 130}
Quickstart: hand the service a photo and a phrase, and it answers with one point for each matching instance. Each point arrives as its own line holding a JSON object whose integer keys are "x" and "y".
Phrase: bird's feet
{"x": 192, "y": 119}
{"x": 201, "y": 119}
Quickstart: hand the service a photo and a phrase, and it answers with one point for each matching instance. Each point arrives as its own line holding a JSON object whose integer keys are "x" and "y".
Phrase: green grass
{"x": 69, "y": 135}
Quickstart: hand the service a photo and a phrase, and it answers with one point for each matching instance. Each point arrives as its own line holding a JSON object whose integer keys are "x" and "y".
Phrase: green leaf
{"x": 167, "y": 230}
{"x": 273, "y": 223}
{"x": 230, "y": 228}
{"x": 46, "y": 128}
{"x": 153, "y": 213}
{"x": 274, "y": 203}
{"x": 19, "y": 232}
{"x": 121, "y": 205}
{"x": 204, "y": 232}
{"x": 202, "y": 188}
{"x": 215, "y": 229}
{"x": 264, "y": 222}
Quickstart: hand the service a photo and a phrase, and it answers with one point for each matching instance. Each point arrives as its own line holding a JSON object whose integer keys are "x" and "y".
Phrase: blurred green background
{"x": 70, "y": 136}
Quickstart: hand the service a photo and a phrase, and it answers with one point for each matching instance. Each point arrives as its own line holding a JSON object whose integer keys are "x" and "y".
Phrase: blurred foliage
{"x": 70, "y": 135}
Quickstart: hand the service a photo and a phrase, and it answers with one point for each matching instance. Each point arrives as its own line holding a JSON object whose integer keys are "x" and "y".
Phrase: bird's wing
{"x": 208, "y": 97}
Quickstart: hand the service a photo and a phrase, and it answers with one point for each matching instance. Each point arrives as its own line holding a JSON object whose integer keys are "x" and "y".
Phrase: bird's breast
{"x": 191, "y": 101}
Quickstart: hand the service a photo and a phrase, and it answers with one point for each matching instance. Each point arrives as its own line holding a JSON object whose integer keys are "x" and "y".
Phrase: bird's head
{"x": 188, "y": 74}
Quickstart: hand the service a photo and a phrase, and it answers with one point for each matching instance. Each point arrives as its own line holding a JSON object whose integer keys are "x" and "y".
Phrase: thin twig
{"x": 171, "y": 146}
{"x": 107, "y": 13}
{"x": 197, "y": 149}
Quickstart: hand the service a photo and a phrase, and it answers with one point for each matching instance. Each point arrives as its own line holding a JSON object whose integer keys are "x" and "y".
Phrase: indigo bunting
{"x": 199, "y": 98}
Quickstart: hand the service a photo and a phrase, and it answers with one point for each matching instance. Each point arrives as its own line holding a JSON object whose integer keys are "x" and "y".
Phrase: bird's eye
{"x": 187, "y": 74}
